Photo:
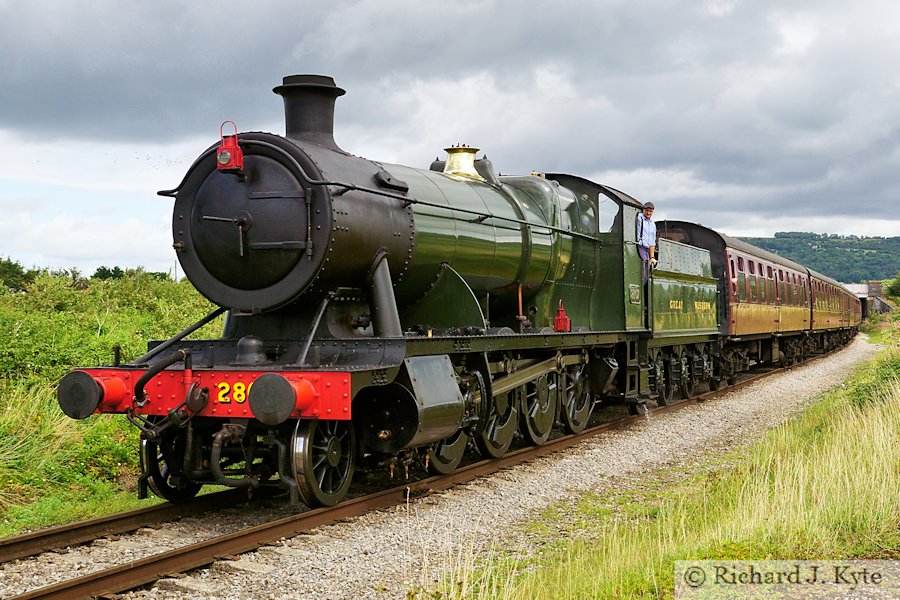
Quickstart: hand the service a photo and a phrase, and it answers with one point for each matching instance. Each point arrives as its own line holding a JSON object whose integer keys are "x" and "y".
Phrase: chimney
{"x": 309, "y": 108}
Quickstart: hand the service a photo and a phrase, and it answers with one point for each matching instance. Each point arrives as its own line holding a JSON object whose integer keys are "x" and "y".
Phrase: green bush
{"x": 13, "y": 276}
{"x": 61, "y": 322}
{"x": 892, "y": 288}
{"x": 54, "y": 469}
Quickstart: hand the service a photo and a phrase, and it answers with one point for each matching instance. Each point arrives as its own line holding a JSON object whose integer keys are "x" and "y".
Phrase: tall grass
{"x": 824, "y": 485}
{"x": 32, "y": 429}
{"x": 54, "y": 469}
{"x": 884, "y": 328}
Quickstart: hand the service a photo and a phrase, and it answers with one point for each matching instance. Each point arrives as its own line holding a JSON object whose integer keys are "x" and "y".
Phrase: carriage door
{"x": 732, "y": 296}
{"x": 779, "y": 290}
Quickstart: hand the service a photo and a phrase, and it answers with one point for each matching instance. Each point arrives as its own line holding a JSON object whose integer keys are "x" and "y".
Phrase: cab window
{"x": 609, "y": 210}
{"x": 586, "y": 220}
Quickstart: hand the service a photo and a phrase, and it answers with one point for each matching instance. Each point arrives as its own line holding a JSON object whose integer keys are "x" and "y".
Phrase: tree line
{"x": 16, "y": 278}
{"x": 849, "y": 259}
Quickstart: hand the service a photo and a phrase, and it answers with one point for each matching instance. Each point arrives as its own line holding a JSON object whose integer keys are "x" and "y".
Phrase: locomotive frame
{"x": 377, "y": 312}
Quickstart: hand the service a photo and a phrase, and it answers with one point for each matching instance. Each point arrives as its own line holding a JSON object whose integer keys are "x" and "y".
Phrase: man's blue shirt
{"x": 646, "y": 231}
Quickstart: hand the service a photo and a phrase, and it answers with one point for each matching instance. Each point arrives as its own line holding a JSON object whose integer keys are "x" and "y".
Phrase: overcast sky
{"x": 750, "y": 117}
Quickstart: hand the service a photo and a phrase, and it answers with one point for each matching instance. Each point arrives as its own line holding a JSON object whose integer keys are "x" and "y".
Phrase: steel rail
{"x": 145, "y": 571}
{"x": 29, "y": 544}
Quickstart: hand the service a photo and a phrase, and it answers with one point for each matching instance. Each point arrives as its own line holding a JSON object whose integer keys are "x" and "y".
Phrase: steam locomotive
{"x": 380, "y": 311}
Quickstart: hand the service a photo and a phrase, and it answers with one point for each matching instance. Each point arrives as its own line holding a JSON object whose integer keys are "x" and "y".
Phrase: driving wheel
{"x": 539, "y": 408}
{"x": 500, "y": 427}
{"x": 577, "y": 399}
{"x": 445, "y": 456}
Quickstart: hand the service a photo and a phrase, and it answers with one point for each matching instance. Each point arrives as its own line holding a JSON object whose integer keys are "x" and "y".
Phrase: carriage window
{"x": 733, "y": 278}
{"x": 742, "y": 286}
{"x": 780, "y": 274}
{"x": 769, "y": 271}
{"x": 752, "y": 285}
{"x": 740, "y": 263}
{"x": 752, "y": 268}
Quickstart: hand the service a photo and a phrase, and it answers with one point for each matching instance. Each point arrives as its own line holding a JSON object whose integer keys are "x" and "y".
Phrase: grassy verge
{"x": 883, "y": 329}
{"x": 53, "y": 469}
{"x": 823, "y": 485}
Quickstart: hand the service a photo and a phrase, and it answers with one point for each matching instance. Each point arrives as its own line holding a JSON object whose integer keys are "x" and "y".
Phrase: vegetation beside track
{"x": 53, "y": 469}
{"x": 885, "y": 328}
{"x": 822, "y": 486}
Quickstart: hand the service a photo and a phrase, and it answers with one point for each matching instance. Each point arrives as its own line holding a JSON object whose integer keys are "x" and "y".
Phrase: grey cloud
{"x": 718, "y": 89}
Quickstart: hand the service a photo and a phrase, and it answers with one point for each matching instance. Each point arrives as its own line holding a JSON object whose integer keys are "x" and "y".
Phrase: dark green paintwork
{"x": 450, "y": 303}
{"x": 684, "y": 291}
{"x": 492, "y": 255}
{"x": 599, "y": 279}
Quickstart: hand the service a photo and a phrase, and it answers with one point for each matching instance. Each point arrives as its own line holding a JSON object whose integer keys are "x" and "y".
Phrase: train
{"x": 376, "y": 313}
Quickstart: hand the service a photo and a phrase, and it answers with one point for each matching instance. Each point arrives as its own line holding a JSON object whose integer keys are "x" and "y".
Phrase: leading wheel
{"x": 539, "y": 408}
{"x": 324, "y": 454}
{"x": 161, "y": 459}
{"x": 497, "y": 435}
{"x": 445, "y": 456}
{"x": 577, "y": 400}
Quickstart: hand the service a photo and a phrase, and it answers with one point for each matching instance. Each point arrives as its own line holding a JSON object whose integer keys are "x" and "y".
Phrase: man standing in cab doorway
{"x": 646, "y": 238}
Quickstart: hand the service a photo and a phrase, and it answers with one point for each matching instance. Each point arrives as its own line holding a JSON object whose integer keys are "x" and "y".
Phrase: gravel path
{"x": 382, "y": 554}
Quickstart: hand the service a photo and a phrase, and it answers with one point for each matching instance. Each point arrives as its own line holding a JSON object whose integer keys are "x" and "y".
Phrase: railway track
{"x": 80, "y": 532}
{"x": 145, "y": 571}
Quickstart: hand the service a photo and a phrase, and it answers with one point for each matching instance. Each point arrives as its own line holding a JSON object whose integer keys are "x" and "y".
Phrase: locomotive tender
{"x": 381, "y": 312}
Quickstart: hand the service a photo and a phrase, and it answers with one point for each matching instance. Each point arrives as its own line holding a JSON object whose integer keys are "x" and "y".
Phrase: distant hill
{"x": 849, "y": 259}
